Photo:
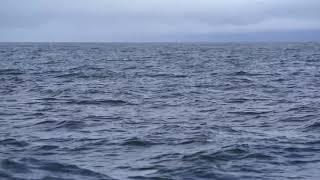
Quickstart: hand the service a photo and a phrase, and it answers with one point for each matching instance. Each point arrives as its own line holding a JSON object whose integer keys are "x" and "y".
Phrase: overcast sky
{"x": 159, "y": 20}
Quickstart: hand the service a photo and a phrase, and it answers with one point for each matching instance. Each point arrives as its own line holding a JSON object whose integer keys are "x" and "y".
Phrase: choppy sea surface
{"x": 179, "y": 111}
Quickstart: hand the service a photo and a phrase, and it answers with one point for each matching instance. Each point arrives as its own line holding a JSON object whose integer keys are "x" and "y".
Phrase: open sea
{"x": 159, "y": 111}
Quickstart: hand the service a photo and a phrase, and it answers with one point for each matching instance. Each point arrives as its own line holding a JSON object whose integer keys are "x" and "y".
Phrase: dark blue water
{"x": 159, "y": 111}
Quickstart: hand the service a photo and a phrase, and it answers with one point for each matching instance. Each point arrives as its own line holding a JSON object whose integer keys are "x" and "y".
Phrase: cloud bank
{"x": 152, "y": 20}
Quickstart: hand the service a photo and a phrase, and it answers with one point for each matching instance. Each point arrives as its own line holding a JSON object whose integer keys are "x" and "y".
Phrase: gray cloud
{"x": 134, "y": 20}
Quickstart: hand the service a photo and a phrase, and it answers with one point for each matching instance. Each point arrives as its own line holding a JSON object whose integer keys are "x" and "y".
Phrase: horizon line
{"x": 279, "y": 41}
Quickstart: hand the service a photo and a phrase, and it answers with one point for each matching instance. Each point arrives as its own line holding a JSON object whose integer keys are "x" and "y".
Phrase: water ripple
{"x": 159, "y": 111}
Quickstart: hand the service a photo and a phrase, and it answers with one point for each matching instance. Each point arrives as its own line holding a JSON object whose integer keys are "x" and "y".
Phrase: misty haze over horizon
{"x": 159, "y": 21}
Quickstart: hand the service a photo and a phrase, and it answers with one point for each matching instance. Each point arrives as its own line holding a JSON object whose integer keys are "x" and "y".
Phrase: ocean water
{"x": 179, "y": 111}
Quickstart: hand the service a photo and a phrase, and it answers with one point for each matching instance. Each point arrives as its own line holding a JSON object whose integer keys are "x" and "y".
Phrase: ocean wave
{"x": 159, "y": 111}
